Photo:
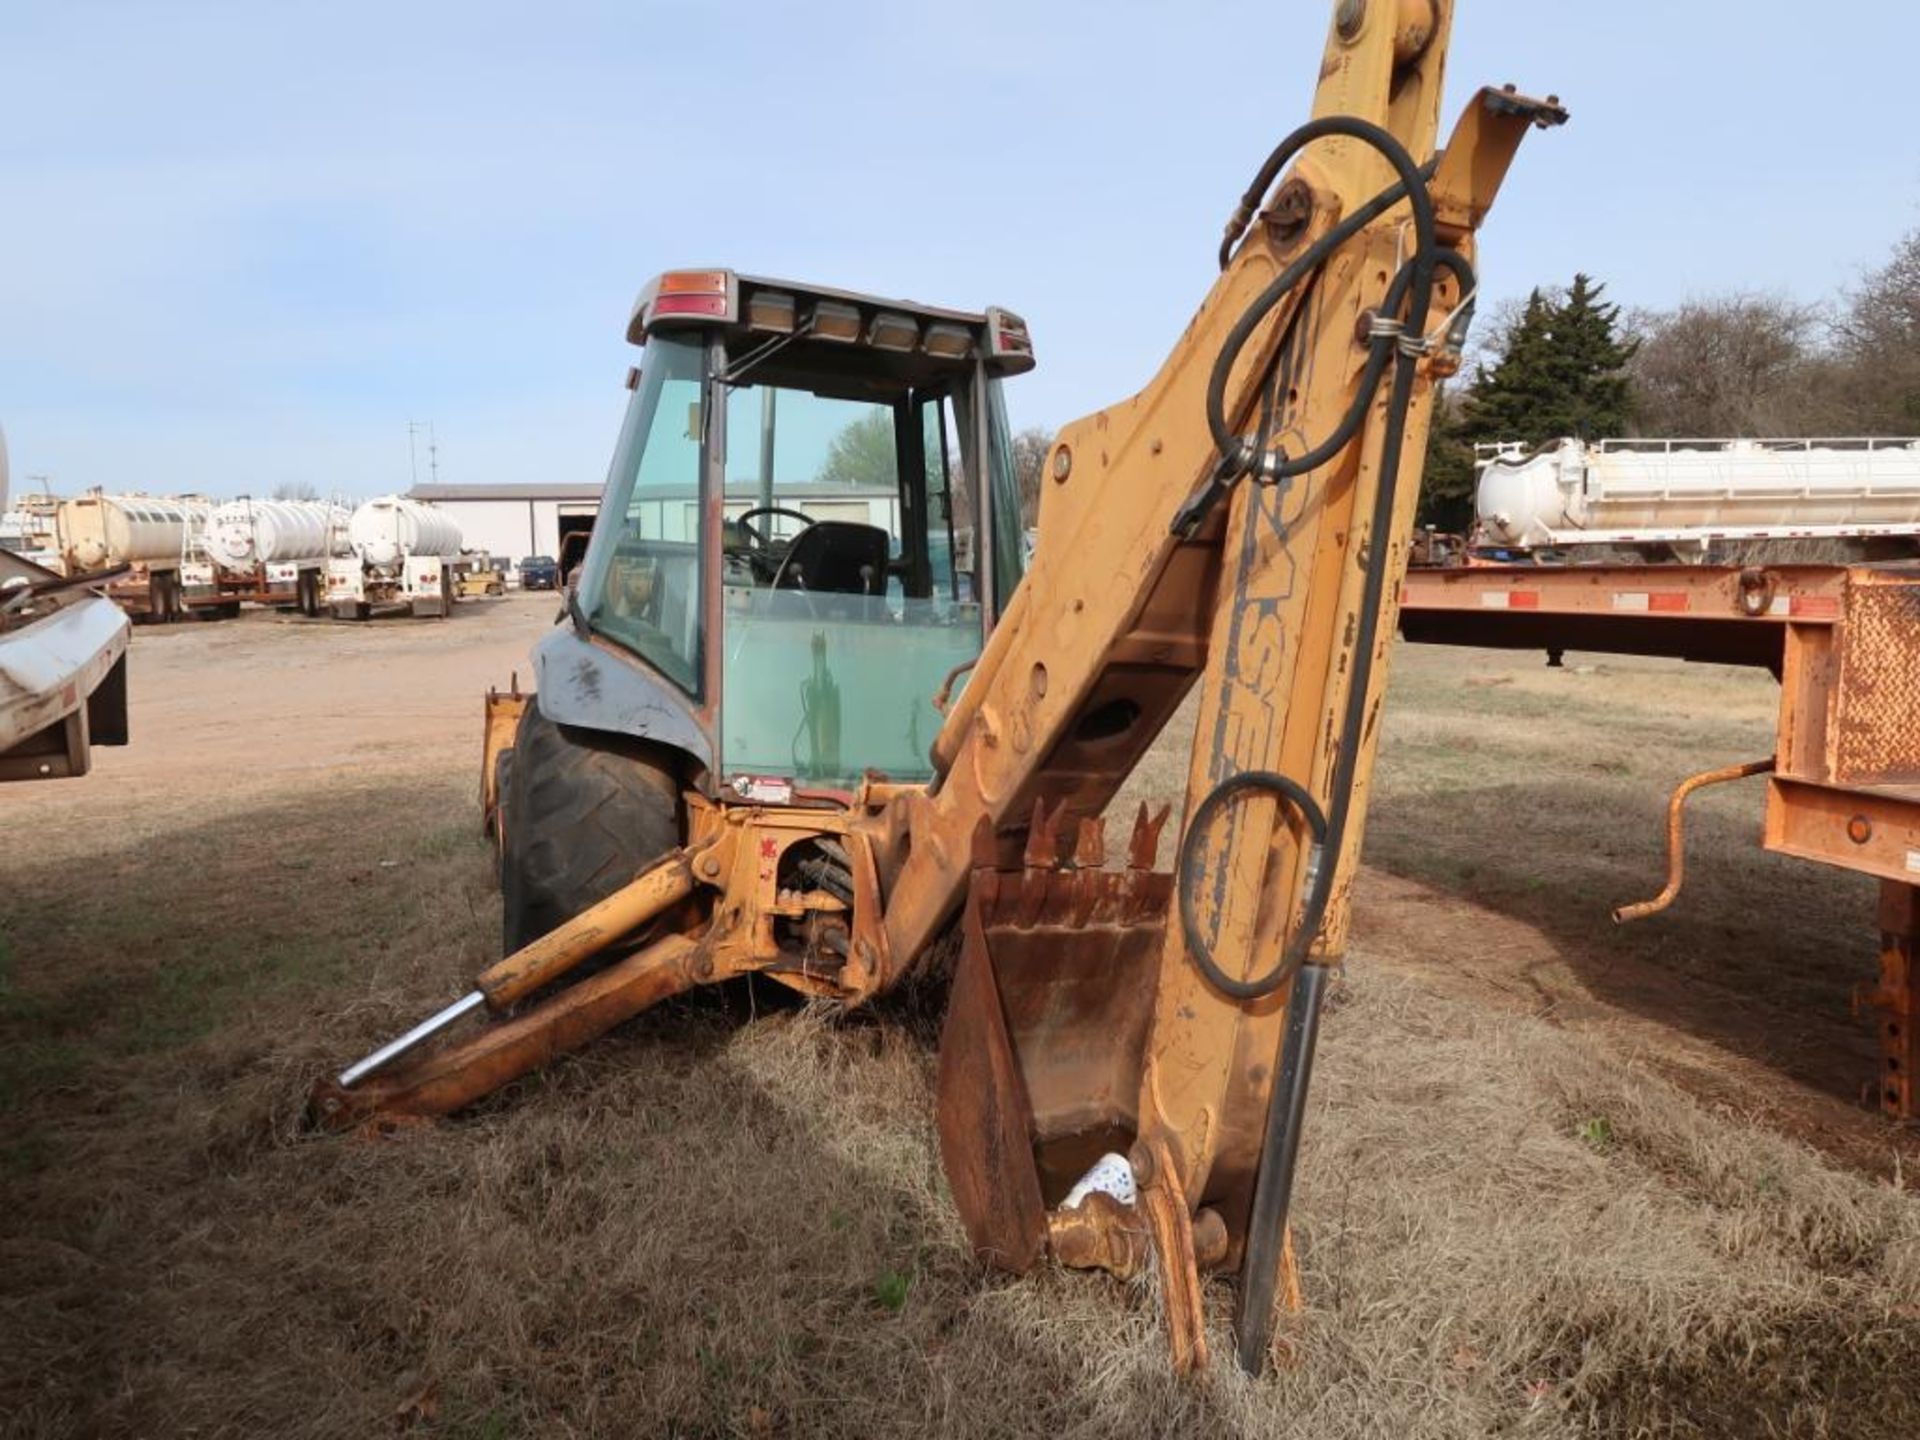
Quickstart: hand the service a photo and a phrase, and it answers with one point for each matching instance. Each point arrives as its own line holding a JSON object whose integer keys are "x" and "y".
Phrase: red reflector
{"x": 1823, "y": 607}
{"x": 1523, "y": 599}
{"x": 1671, "y": 602}
{"x": 714, "y": 305}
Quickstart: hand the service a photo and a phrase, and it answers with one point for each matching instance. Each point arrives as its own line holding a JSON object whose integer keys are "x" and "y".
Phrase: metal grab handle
{"x": 1676, "y": 839}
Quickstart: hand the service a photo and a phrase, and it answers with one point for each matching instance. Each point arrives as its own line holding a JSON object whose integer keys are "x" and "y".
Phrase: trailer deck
{"x": 1844, "y": 642}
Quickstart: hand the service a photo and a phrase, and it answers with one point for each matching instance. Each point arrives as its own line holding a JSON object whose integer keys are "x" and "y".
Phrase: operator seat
{"x": 837, "y": 557}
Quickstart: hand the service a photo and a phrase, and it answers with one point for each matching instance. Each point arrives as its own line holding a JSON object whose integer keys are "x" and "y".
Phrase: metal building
{"x": 510, "y": 522}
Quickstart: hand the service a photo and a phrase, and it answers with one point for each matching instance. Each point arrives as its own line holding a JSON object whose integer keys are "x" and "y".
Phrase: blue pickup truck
{"x": 539, "y": 572}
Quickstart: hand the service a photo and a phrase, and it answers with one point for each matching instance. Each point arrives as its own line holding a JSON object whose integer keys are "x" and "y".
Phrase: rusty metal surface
{"x": 1676, "y": 835}
{"x": 986, "y": 1142}
{"x": 1047, "y": 1024}
{"x": 1723, "y": 614}
{"x": 1875, "y": 730}
{"x": 1163, "y": 1196}
{"x": 1874, "y": 830}
{"x": 1897, "y": 998}
{"x": 1100, "y": 1233}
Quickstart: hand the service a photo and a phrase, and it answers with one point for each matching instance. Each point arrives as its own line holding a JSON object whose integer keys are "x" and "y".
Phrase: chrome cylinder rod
{"x": 425, "y": 1030}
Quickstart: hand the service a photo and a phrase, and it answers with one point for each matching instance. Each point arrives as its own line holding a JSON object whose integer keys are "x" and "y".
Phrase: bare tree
{"x": 295, "y": 490}
{"x": 1732, "y": 365}
{"x": 1030, "y": 449}
{"x": 1877, "y": 338}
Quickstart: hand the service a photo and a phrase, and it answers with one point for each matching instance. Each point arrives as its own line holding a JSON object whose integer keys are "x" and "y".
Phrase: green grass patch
{"x": 891, "y": 1288}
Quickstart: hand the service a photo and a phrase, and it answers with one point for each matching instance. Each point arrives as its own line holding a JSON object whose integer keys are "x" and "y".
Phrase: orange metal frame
{"x": 1844, "y": 642}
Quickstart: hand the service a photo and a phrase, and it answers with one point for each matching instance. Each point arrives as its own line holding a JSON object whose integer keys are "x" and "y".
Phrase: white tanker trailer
{"x": 401, "y": 552}
{"x": 1689, "y": 494}
{"x": 265, "y": 552}
{"x": 143, "y": 535}
{"x": 244, "y": 533}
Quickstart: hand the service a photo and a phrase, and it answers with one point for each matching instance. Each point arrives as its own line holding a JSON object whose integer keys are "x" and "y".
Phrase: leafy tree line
{"x": 1571, "y": 362}
{"x": 862, "y": 453}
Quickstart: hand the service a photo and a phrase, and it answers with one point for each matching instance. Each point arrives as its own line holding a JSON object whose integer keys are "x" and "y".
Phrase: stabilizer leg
{"x": 440, "y": 1083}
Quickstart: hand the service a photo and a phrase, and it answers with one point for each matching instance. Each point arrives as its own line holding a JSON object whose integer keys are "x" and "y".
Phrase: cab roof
{"x": 798, "y": 329}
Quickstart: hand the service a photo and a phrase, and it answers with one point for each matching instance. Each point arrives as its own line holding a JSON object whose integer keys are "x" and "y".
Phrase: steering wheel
{"x": 763, "y": 542}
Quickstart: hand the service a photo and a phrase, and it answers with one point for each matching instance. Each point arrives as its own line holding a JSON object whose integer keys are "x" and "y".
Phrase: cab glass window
{"x": 842, "y": 610}
{"x": 641, "y": 584}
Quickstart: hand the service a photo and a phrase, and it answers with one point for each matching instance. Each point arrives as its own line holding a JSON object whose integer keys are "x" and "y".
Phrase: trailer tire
{"x": 161, "y": 597}
{"x": 587, "y": 812}
{"x": 308, "y": 593}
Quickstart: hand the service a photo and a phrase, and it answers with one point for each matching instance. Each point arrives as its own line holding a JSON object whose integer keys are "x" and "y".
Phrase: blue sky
{"x": 244, "y": 244}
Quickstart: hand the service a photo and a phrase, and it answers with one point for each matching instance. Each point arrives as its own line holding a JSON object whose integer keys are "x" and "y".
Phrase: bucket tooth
{"x": 985, "y": 852}
{"x": 1087, "y": 869}
{"x": 1043, "y": 836}
{"x": 1144, "y": 848}
{"x": 1142, "y": 893}
{"x": 1090, "y": 844}
{"x": 1088, "y": 874}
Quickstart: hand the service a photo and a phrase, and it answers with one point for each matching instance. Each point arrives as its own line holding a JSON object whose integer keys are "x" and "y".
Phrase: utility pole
{"x": 414, "y": 427}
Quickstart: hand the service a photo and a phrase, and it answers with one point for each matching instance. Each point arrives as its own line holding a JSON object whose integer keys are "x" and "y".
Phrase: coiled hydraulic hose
{"x": 1397, "y": 338}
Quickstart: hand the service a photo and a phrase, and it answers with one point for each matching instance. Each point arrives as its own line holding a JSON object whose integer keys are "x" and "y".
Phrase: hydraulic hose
{"x": 1412, "y": 187}
{"x": 1411, "y": 288}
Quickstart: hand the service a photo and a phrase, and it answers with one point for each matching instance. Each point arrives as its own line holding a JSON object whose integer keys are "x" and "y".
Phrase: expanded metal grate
{"x": 1876, "y": 711}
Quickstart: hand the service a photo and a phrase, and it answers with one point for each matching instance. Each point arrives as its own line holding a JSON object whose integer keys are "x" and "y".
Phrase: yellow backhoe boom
{"x": 1126, "y": 1051}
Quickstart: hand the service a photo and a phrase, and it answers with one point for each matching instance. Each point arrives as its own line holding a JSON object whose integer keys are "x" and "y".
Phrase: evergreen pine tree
{"x": 1561, "y": 371}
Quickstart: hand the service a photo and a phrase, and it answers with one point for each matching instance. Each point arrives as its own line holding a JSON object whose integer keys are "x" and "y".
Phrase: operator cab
{"x": 810, "y": 523}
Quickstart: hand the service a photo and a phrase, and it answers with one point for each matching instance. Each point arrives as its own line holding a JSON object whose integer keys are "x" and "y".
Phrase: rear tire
{"x": 502, "y": 782}
{"x": 588, "y": 812}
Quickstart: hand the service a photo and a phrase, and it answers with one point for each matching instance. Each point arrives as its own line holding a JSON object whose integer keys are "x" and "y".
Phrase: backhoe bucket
{"x": 1046, "y": 1027}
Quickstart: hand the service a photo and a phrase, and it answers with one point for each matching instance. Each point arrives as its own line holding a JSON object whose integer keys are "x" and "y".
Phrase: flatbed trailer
{"x": 1843, "y": 783}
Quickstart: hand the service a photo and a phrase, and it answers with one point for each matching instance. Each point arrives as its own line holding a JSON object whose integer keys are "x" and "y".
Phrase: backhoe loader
{"x": 806, "y": 715}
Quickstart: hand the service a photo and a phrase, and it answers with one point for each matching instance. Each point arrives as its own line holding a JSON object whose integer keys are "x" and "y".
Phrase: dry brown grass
{"x": 705, "y": 1227}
